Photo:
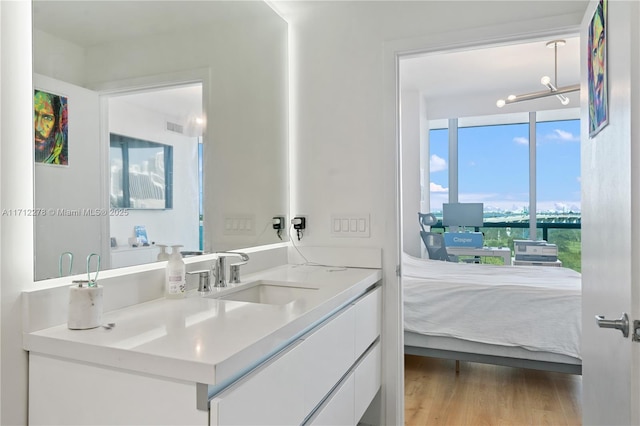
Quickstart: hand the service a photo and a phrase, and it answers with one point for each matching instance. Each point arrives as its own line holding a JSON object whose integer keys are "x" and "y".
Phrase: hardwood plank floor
{"x": 483, "y": 394}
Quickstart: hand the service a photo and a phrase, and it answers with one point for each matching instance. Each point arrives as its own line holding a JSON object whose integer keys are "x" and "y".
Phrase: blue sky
{"x": 494, "y": 163}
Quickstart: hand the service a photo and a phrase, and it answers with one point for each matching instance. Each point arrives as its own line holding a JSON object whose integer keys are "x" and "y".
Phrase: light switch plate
{"x": 239, "y": 224}
{"x": 350, "y": 225}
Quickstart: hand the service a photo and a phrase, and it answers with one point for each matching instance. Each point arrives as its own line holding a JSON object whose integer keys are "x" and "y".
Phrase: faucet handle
{"x": 204, "y": 285}
{"x": 234, "y": 272}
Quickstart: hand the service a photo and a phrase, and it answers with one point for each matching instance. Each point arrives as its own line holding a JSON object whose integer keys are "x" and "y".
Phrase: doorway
{"x": 162, "y": 188}
{"x": 447, "y": 110}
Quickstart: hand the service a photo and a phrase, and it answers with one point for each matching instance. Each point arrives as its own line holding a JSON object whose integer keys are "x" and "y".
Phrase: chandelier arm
{"x": 554, "y": 90}
{"x": 543, "y": 94}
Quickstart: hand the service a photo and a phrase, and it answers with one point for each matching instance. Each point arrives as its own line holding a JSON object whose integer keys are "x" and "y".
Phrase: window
{"x": 436, "y": 186}
{"x": 141, "y": 173}
{"x": 493, "y": 167}
{"x": 558, "y": 186}
{"x": 558, "y": 166}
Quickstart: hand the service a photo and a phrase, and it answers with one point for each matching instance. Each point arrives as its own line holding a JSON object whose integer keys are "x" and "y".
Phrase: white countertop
{"x": 205, "y": 340}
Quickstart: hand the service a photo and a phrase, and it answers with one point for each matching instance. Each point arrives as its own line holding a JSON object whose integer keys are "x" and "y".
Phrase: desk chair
{"x": 436, "y": 247}
{"x": 426, "y": 219}
{"x": 434, "y": 242}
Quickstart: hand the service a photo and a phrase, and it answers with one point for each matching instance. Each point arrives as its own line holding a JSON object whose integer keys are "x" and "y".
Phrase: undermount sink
{"x": 267, "y": 293}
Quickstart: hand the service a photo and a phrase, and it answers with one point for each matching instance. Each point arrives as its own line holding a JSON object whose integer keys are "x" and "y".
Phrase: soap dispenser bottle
{"x": 175, "y": 276}
{"x": 163, "y": 255}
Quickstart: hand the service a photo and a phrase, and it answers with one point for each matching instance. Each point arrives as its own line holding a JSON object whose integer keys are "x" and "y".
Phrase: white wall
{"x": 73, "y": 187}
{"x": 411, "y": 133}
{"x": 178, "y": 225}
{"x": 16, "y": 181}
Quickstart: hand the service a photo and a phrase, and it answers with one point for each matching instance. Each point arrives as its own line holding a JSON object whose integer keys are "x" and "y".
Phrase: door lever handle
{"x": 621, "y": 324}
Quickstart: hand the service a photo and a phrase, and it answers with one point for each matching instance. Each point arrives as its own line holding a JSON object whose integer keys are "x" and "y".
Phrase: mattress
{"x": 529, "y": 307}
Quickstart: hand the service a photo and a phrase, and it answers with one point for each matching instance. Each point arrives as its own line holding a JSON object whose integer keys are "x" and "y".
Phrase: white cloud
{"x": 437, "y": 164}
{"x": 521, "y": 140}
{"x": 434, "y": 187}
{"x": 563, "y": 135}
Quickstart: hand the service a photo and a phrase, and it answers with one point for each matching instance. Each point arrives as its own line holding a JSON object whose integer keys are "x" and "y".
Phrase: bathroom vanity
{"x": 289, "y": 345}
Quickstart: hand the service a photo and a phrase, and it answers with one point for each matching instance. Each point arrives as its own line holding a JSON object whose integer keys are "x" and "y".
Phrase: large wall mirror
{"x": 207, "y": 79}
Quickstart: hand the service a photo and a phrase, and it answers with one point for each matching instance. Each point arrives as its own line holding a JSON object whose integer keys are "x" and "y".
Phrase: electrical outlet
{"x": 278, "y": 222}
{"x": 299, "y": 222}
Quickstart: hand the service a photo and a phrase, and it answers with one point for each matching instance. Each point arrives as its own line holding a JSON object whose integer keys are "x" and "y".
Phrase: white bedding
{"x": 537, "y": 308}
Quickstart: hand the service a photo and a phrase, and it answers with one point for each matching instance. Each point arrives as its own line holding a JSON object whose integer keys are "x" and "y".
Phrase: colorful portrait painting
{"x": 50, "y": 125}
{"x": 597, "y": 70}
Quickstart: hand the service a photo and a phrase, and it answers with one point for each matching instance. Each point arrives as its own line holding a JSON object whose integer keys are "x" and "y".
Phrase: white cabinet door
{"x": 351, "y": 398}
{"x": 368, "y": 320}
{"x": 338, "y": 408}
{"x": 286, "y": 389}
{"x": 329, "y": 353}
{"x": 368, "y": 378}
{"x": 270, "y": 395}
{"x": 64, "y": 392}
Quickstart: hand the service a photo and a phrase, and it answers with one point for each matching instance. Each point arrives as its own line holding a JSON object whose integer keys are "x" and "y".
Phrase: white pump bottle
{"x": 175, "y": 275}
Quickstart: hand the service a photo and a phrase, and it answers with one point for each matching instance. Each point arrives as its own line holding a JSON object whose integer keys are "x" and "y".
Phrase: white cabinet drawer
{"x": 287, "y": 388}
{"x": 270, "y": 395}
{"x": 368, "y": 325}
{"x": 368, "y": 379}
{"x": 329, "y": 353}
{"x": 338, "y": 408}
{"x": 348, "y": 402}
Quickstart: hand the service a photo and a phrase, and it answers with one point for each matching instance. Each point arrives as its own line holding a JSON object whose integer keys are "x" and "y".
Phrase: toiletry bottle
{"x": 175, "y": 276}
{"x": 163, "y": 255}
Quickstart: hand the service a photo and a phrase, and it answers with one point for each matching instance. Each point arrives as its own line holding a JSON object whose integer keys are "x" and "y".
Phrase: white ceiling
{"x": 88, "y": 23}
{"x": 180, "y": 103}
{"x": 504, "y": 70}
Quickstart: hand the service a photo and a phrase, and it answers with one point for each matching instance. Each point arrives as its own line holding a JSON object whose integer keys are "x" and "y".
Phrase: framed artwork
{"x": 597, "y": 70}
{"x": 50, "y": 125}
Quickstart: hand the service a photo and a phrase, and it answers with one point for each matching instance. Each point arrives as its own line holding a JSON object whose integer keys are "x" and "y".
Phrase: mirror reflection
{"x": 140, "y": 173}
{"x": 206, "y": 82}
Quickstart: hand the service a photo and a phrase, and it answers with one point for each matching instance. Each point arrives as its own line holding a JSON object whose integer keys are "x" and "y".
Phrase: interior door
{"x": 610, "y": 226}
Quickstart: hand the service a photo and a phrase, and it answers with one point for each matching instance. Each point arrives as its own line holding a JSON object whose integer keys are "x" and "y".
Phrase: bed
{"x": 519, "y": 316}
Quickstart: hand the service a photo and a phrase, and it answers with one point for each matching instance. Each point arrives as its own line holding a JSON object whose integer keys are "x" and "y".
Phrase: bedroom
{"x": 340, "y": 68}
{"x": 471, "y": 309}
{"x": 416, "y": 172}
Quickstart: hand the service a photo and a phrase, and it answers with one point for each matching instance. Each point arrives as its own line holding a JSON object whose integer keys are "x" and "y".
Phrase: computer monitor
{"x": 463, "y": 214}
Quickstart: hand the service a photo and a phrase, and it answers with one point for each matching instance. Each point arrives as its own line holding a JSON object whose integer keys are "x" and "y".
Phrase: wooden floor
{"x": 482, "y": 394}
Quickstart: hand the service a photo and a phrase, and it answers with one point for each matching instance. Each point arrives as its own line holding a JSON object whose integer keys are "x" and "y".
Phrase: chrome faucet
{"x": 203, "y": 282}
{"x": 219, "y": 268}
